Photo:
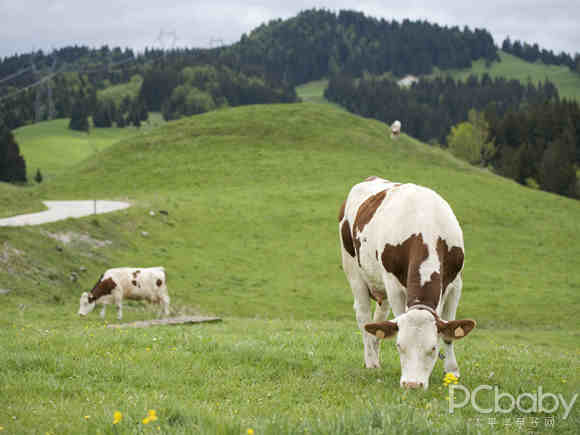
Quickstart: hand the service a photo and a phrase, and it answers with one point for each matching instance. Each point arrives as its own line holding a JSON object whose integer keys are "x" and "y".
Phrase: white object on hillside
{"x": 59, "y": 210}
{"x": 396, "y": 129}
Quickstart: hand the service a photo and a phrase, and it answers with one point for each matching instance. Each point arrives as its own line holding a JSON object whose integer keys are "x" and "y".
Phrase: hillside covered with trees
{"x": 534, "y": 135}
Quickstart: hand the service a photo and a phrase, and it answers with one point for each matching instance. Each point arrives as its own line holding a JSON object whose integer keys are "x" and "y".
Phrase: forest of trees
{"x": 319, "y": 43}
{"x": 429, "y": 108}
{"x": 533, "y": 53}
{"x": 536, "y": 135}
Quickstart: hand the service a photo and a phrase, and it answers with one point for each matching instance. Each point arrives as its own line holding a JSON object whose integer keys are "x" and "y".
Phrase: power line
{"x": 52, "y": 74}
{"x": 16, "y": 74}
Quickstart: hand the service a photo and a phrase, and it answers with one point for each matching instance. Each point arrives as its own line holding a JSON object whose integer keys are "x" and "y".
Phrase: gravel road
{"x": 59, "y": 210}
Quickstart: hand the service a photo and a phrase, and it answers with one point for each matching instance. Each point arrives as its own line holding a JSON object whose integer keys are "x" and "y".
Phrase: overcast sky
{"x": 45, "y": 24}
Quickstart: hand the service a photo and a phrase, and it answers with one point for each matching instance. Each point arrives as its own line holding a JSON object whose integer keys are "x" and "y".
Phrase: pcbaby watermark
{"x": 504, "y": 403}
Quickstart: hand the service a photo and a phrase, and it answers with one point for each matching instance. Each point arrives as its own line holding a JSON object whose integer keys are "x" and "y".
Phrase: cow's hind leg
{"x": 362, "y": 308}
{"x": 448, "y": 313}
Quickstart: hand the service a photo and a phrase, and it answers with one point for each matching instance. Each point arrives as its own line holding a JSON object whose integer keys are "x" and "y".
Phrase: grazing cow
{"x": 402, "y": 246}
{"x": 127, "y": 283}
{"x": 396, "y": 129}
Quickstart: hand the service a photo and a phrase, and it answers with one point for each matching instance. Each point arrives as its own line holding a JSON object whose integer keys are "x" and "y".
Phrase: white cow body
{"x": 403, "y": 247}
{"x": 118, "y": 284}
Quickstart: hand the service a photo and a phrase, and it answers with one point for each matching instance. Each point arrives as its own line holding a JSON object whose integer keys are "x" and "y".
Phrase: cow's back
{"x": 139, "y": 283}
{"x": 383, "y": 216}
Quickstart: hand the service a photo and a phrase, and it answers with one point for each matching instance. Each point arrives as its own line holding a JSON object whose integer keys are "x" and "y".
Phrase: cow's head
{"x": 85, "y": 306}
{"x": 417, "y": 334}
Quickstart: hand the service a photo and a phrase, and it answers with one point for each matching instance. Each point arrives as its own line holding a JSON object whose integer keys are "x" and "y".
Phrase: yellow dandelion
{"x": 87, "y": 417}
{"x": 1, "y": 428}
{"x": 152, "y": 415}
{"x": 146, "y": 420}
{"x": 117, "y": 417}
{"x": 250, "y": 431}
{"x": 148, "y": 349}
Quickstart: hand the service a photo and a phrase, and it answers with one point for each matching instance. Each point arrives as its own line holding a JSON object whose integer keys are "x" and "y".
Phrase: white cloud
{"x": 42, "y": 25}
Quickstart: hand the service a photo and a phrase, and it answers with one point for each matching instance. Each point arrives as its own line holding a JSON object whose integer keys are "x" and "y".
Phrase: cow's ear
{"x": 455, "y": 329}
{"x": 383, "y": 329}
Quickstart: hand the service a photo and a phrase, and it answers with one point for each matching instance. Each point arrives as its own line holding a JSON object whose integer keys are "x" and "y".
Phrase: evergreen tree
{"x": 12, "y": 164}
{"x": 80, "y": 115}
{"x": 38, "y": 176}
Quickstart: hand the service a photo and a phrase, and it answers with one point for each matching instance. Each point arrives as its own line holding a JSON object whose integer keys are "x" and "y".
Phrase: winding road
{"x": 59, "y": 210}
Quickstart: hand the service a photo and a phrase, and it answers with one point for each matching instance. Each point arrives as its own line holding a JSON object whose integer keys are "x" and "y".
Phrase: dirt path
{"x": 59, "y": 210}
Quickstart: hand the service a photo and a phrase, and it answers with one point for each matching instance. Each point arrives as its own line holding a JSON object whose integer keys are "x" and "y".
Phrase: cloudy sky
{"x": 44, "y": 24}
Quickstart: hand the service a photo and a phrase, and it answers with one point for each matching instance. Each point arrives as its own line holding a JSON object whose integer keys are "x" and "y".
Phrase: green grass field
{"x": 252, "y": 196}
{"x": 512, "y": 67}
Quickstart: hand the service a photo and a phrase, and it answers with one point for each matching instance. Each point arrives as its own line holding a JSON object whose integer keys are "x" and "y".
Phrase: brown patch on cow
{"x": 159, "y": 282}
{"x": 377, "y": 255}
{"x": 404, "y": 261}
{"x": 136, "y": 274}
{"x": 102, "y": 288}
{"x": 134, "y": 283}
{"x": 341, "y": 211}
{"x": 451, "y": 261}
{"x": 365, "y": 213}
{"x": 346, "y": 238}
{"x": 371, "y": 178}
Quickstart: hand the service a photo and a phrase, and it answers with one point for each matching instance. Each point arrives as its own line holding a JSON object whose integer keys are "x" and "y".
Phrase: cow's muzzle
{"x": 412, "y": 385}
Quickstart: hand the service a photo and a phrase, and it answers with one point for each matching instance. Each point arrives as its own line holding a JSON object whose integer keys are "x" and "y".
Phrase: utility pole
{"x": 38, "y": 90}
{"x": 51, "y": 109}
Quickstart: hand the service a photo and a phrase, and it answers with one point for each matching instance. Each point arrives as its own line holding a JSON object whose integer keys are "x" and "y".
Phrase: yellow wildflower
{"x": 152, "y": 415}
{"x": 87, "y": 417}
{"x": 117, "y": 417}
{"x": 1, "y": 428}
{"x": 250, "y": 431}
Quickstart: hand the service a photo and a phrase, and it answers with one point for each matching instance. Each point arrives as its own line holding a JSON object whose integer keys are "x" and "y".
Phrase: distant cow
{"x": 396, "y": 129}
{"x": 402, "y": 246}
{"x": 127, "y": 283}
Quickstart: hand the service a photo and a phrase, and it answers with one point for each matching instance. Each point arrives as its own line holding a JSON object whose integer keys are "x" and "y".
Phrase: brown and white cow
{"x": 127, "y": 283}
{"x": 403, "y": 247}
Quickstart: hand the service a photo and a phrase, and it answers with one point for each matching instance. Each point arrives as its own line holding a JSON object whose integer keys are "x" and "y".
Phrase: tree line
{"x": 534, "y": 136}
{"x": 317, "y": 43}
{"x": 533, "y": 53}
{"x": 430, "y": 107}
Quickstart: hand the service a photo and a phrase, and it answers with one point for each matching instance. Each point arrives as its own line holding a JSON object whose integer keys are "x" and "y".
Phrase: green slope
{"x": 512, "y": 67}
{"x": 252, "y": 196}
{"x": 246, "y": 185}
{"x": 51, "y": 147}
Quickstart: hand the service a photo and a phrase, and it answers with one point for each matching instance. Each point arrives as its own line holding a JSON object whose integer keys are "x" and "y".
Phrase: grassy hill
{"x": 52, "y": 147}
{"x": 250, "y": 234}
{"x": 512, "y": 67}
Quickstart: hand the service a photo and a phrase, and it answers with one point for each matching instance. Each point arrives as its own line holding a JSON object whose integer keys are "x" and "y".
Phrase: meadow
{"x": 252, "y": 196}
{"x": 512, "y": 67}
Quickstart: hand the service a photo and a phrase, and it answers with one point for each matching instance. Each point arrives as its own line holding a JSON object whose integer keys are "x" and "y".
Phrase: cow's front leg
{"x": 164, "y": 306}
{"x": 448, "y": 313}
{"x": 102, "y": 313}
{"x": 381, "y": 314}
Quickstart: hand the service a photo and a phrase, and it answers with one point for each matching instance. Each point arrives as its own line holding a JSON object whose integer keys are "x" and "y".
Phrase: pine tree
{"x": 12, "y": 164}
{"x": 38, "y": 176}
{"x": 80, "y": 115}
